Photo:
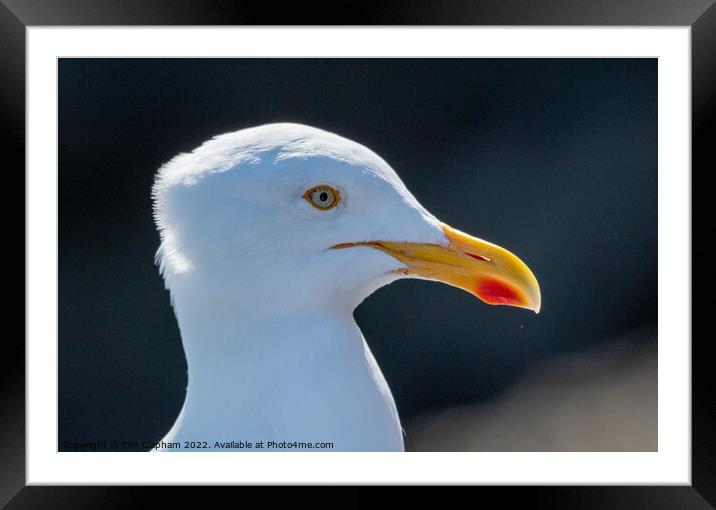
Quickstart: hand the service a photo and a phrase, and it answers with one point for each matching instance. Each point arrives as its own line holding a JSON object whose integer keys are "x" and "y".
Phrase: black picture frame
{"x": 700, "y": 15}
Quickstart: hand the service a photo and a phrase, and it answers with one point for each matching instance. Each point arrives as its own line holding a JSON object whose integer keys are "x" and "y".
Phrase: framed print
{"x": 236, "y": 237}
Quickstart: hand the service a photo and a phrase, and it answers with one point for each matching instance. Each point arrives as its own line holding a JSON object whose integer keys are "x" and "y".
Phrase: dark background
{"x": 555, "y": 159}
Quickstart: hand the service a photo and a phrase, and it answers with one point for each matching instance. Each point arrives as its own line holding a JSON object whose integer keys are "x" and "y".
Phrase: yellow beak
{"x": 491, "y": 273}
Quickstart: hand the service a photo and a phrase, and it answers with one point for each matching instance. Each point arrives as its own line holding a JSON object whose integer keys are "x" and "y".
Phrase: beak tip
{"x": 538, "y": 303}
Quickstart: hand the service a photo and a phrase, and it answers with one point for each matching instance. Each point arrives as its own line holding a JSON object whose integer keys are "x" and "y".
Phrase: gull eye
{"x": 322, "y": 197}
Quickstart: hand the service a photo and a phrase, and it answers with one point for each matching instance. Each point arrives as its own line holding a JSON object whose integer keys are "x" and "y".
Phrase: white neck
{"x": 301, "y": 378}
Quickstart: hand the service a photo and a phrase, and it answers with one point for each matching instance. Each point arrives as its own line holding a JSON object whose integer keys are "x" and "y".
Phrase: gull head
{"x": 294, "y": 219}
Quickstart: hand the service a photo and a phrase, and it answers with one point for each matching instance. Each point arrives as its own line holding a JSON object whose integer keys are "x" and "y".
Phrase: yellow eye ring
{"x": 323, "y": 197}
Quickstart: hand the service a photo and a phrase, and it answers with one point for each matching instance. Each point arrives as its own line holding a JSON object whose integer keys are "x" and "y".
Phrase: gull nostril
{"x": 478, "y": 257}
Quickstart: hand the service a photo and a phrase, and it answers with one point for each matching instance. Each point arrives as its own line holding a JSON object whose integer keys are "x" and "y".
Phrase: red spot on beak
{"x": 495, "y": 292}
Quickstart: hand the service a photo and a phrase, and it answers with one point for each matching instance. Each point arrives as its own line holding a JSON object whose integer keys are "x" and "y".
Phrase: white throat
{"x": 284, "y": 380}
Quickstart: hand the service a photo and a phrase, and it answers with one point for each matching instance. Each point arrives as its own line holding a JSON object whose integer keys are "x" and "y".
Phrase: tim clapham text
{"x": 194, "y": 445}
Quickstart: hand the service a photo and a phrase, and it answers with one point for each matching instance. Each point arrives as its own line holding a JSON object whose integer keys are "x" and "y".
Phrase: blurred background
{"x": 554, "y": 159}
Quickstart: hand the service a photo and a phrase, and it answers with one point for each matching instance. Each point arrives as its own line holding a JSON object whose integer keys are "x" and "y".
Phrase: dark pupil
{"x": 323, "y": 196}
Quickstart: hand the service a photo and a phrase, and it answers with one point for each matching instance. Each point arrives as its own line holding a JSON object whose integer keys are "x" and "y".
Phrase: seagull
{"x": 270, "y": 237}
